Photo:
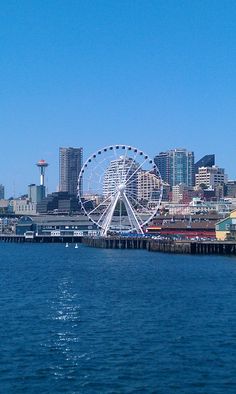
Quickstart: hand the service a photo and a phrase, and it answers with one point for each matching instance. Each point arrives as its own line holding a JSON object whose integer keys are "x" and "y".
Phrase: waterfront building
{"x": 2, "y": 192}
{"x": 176, "y": 166}
{"x": 184, "y": 226}
{"x": 226, "y": 228}
{"x": 70, "y": 163}
{"x": 210, "y": 177}
{"x": 53, "y": 225}
{"x": 119, "y": 171}
{"x": 8, "y": 225}
{"x": 205, "y": 161}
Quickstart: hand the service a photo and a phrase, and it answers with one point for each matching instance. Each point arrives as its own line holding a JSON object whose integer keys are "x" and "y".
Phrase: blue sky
{"x": 154, "y": 74}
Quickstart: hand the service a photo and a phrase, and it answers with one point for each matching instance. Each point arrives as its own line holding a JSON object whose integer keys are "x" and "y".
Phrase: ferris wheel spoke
{"x": 100, "y": 164}
{"x": 96, "y": 171}
{"x": 157, "y": 201}
{"x": 140, "y": 166}
{"x": 105, "y": 211}
{"x": 124, "y": 161}
{"x": 90, "y": 200}
{"x": 133, "y": 162}
{"x": 142, "y": 206}
{"x": 137, "y": 214}
{"x": 101, "y": 203}
{"x": 115, "y": 154}
{"x": 108, "y": 217}
{"x": 115, "y": 179}
{"x": 120, "y": 213}
{"x": 135, "y": 196}
{"x": 93, "y": 181}
{"x": 144, "y": 173}
{"x": 131, "y": 214}
{"x": 118, "y": 173}
{"x": 131, "y": 182}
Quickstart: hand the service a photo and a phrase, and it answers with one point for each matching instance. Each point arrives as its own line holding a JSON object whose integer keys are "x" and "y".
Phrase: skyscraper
{"x": 36, "y": 193}
{"x": 162, "y": 162}
{"x": 119, "y": 171}
{"x": 176, "y": 166}
{"x": 2, "y": 192}
{"x": 70, "y": 163}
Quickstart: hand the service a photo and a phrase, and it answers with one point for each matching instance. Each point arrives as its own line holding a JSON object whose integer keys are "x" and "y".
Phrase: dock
{"x": 126, "y": 242}
{"x": 164, "y": 246}
{"x": 40, "y": 239}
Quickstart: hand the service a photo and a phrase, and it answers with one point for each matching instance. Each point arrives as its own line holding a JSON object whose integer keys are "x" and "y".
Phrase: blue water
{"x": 115, "y": 321}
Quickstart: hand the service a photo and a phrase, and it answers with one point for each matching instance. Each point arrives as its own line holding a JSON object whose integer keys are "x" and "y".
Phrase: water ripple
{"x": 116, "y": 321}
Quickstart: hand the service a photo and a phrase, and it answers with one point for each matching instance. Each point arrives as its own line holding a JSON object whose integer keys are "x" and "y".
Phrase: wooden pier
{"x": 145, "y": 243}
{"x": 40, "y": 239}
{"x": 164, "y": 246}
{"x": 117, "y": 242}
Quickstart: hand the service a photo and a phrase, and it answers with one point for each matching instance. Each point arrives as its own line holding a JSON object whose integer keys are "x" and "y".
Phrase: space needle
{"x": 42, "y": 164}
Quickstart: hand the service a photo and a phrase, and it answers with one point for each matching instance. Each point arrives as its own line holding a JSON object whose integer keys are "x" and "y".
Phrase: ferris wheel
{"x": 120, "y": 189}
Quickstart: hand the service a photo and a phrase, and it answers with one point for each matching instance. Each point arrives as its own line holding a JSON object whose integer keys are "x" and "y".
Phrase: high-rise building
{"x": 118, "y": 172}
{"x": 2, "y": 192}
{"x": 70, "y": 163}
{"x": 36, "y": 193}
{"x": 210, "y": 177}
{"x": 176, "y": 166}
{"x": 148, "y": 186}
{"x": 162, "y": 162}
{"x": 205, "y": 161}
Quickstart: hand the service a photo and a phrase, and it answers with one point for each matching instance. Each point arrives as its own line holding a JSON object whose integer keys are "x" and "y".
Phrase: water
{"x": 115, "y": 321}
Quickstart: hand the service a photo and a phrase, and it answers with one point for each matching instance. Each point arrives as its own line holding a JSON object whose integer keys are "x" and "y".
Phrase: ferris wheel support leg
{"x": 107, "y": 220}
{"x": 132, "y": 218}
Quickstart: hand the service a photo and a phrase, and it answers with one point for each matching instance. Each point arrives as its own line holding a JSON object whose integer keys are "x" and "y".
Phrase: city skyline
{"x": 160, "y": 74}
{"x": 36, "y": 180}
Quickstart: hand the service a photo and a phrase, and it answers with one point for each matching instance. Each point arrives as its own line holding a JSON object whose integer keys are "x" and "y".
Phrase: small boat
{"x": 67, "y": 245}
{"x": 76, "y": 246}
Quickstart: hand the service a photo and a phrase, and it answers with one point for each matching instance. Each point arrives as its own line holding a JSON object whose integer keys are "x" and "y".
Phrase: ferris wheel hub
{"x": 121, "y": 187}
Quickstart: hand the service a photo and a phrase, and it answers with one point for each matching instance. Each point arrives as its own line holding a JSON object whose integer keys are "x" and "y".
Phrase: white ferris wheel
{"x": 120, "y": 189}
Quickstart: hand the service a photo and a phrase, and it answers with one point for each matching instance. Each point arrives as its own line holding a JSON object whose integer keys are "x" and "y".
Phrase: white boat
{"x": 67, "y": 245}
{"x": 76, "y": 246}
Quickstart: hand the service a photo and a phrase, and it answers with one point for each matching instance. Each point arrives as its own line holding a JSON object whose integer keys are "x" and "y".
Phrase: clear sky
{"x": 155, "y": 74}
